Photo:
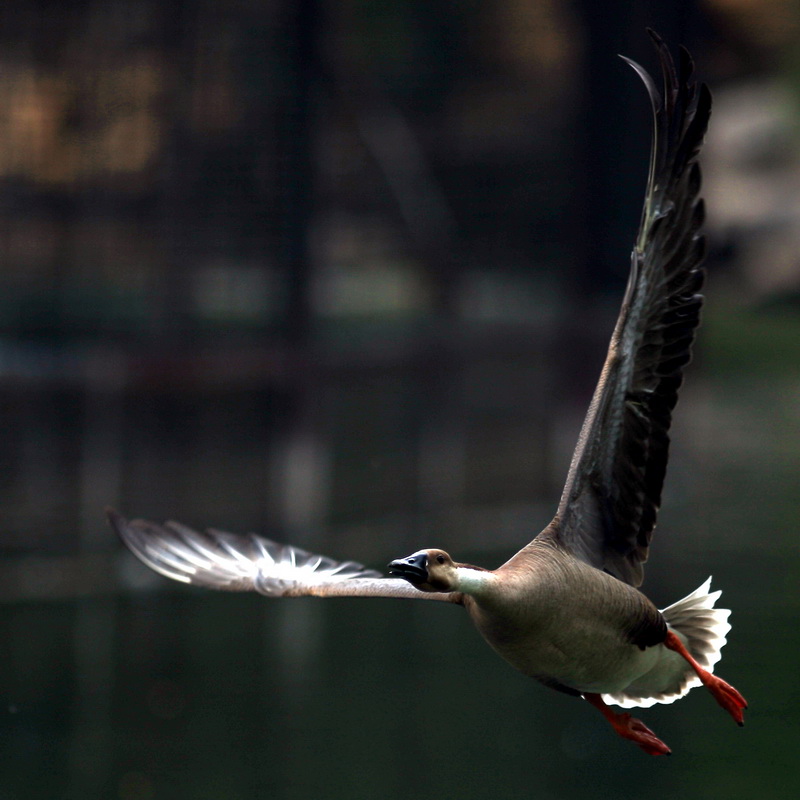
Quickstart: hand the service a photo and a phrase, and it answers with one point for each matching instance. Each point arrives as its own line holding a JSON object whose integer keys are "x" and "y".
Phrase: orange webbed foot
{"x": 634, "y": 729}
{"x": 629, "y": 727}
{"x": 725, "y": 694}
{"x": 728, "y": 697}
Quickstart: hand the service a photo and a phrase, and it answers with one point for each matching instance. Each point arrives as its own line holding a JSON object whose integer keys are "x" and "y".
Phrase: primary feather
{"x": 220, "y": 560}
{"x": 612, "y": 495}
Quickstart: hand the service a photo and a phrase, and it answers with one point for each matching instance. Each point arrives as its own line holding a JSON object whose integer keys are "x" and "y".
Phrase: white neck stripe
{"x": 472, "y": 581}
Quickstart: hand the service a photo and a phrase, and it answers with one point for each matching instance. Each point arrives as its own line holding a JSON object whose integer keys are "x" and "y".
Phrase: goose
{"x": 566, "y": 609}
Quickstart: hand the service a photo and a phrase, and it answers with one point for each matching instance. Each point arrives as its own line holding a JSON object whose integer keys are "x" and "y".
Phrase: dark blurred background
{"x": 344, "y": 274}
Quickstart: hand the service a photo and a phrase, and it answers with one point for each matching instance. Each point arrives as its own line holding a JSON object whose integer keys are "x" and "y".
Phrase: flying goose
{"x": 566, "y": 609}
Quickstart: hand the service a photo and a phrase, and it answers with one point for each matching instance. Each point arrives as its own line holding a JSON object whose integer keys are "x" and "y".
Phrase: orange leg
{"x": 630, "y": 728}
{"x": 728, "y": 697}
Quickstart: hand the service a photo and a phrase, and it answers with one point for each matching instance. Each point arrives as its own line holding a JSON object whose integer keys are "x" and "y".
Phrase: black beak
{"x": 414, "y": 568}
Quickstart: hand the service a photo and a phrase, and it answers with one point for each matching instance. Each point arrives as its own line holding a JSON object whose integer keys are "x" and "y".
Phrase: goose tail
{"x": 703, "y": 630}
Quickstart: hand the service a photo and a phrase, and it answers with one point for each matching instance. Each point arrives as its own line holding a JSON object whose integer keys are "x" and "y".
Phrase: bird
{"x": 566, "y": 609}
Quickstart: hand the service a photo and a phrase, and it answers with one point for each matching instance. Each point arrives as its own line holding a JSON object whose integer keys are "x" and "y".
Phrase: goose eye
{"x": 440, "y": 559}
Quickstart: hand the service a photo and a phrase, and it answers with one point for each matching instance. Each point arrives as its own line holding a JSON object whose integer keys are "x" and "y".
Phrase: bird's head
{"x": 427, "y": 570}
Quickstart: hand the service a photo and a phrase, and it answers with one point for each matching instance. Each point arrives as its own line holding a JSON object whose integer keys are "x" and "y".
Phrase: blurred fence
{"x": 231, "y": 236}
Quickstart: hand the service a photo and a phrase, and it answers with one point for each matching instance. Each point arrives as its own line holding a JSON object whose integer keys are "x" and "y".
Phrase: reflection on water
{"x": 169, "y": 692}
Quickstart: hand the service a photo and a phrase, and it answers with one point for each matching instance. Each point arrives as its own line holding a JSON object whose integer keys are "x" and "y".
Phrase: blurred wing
{"x": 613, "y": 491}
{"x": 219, "y": 560}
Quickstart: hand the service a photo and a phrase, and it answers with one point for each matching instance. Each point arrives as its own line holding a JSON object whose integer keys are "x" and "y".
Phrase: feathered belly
{"x": 584, "y": 655}
{"x": 588, "y": 664}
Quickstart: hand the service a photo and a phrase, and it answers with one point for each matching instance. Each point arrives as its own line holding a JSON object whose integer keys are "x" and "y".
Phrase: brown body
{"x": 542, "y": 616}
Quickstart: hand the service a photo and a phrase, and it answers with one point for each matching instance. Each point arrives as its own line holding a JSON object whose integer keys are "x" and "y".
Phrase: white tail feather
{"x": 703, "y": 629}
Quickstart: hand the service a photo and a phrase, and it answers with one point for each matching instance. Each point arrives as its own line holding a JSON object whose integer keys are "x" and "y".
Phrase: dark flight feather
{"x": 611, "y": 499}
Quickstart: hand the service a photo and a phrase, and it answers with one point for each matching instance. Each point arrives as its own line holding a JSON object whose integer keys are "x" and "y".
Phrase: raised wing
{"x": 219, "y": 560}
{"x": 608, "y": 509}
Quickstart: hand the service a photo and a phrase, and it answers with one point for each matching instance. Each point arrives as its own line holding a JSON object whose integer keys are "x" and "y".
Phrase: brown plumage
{"x": 565, "y": 609}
